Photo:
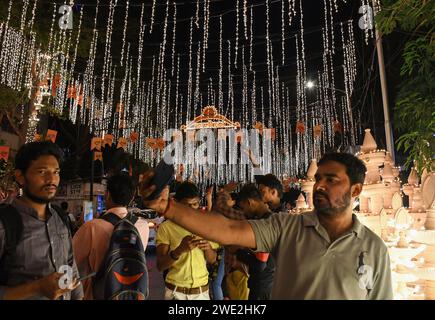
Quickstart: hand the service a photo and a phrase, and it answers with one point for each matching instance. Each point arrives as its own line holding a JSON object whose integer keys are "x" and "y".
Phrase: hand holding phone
{"x": 90, "y": 275}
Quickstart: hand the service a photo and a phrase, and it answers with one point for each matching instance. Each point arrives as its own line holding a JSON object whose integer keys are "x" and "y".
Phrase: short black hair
{"x": 291, "y": 196}
{"x": 249, "y": 191}
{"x": 186, "y": 190}
{"x": 272, "y": 182}
{"x": 33, "y": 151}
{"x": 121, "y": 188}
{"x": 355, "y": 168}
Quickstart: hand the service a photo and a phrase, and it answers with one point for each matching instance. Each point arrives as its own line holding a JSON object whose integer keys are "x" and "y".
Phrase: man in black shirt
{"x": 261, "y": 265}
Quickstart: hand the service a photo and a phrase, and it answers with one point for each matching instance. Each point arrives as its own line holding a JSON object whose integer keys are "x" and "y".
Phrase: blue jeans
{"x": 216, "y": 285}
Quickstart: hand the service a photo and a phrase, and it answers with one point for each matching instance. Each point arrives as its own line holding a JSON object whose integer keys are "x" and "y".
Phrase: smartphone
{"x": 87, "y": 276}
{"x": 163, "y": 176}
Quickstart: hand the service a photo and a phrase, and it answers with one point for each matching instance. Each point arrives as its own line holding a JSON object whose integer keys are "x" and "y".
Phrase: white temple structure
{"x": 409, "y": 233}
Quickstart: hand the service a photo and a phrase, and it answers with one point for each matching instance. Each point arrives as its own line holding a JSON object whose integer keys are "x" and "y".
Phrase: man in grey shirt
{"x": 33, "y": 268}
{"x": 324, "y": 254}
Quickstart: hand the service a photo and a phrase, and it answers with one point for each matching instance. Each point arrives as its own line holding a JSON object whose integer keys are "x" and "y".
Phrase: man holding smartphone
{"x": 339, "y": 257}
{"x": 183, "y": 254}
{"x": 30, "y": 265}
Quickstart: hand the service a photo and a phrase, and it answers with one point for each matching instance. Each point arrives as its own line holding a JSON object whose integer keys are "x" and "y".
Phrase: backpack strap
{"x": 13, "y": 225}
{"x": 111, "y": 217}
{"x": 64, "y": 217}
{"x": 132, "y": 218}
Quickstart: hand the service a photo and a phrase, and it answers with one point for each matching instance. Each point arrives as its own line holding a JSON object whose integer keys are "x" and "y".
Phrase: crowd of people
{"x": 245, "y": 245}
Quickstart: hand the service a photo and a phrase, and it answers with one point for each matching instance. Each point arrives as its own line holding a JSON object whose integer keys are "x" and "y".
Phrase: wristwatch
{"x": 173, "y": 257}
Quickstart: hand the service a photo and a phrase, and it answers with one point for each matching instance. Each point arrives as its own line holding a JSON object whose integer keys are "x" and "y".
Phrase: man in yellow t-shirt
{"x": 183, "y": 254}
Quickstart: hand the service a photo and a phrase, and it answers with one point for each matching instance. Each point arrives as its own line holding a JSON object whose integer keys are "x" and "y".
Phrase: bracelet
{"x": 171, "y": 254}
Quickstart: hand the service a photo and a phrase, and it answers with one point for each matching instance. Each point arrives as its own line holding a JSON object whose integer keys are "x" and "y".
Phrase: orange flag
{"x": 273, "y": 133}
{"x": 80, "y": 101}
{"x": 108, "y": 139}
{"x": 96, "y": 144}
{"x": 338, "y": 128}
{"x": 122, "y": 143}
{"x": 151, "y": 142}
{"x": 51, "y": 135}
{"x": 259, "y": 126}
{"x": 98, "y": 156}
{"x": 160, "y": 144}
{"x": 88, "y": 102}
{"x": 4, "y": 153}
{"x": 72, "y": 92}
{"x": 317, "y": 129}
{"x": 120, "y": 107}
{"x": 300, "y": 127}
{"x": 134, "y": 136}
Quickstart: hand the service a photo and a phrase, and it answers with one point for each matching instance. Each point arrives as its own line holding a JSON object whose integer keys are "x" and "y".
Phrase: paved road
{"x": 156, "y": 283}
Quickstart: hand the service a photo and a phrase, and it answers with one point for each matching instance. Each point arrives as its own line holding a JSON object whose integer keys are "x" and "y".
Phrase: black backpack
{"x": 13, "y": 225}
{"x": 124, "y": 274}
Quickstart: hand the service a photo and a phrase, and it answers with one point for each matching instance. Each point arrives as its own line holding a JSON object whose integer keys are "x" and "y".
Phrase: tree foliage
{"x": 415, "y": 100}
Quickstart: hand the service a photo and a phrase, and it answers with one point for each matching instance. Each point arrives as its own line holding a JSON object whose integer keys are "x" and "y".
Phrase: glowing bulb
{"x": 310, "y": 84}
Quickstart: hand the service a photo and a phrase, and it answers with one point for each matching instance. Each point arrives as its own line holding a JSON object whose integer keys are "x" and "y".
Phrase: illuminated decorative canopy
{"x": 210, "y": 119}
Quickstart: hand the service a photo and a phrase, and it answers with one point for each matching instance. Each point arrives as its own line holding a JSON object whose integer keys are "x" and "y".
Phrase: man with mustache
{"x": 35, "y": 241}
{"x": 323, "y": 254}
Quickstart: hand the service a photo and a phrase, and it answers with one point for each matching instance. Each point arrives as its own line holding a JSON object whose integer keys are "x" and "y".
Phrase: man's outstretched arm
{"x": 212, "y": 226}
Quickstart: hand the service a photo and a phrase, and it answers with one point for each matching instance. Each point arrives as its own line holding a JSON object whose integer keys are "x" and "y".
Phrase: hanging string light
{"x": 220, "y": 100}
{"x": 125, "y": 32}
{"x": 291, "y": 11}
{"x": 174, "y": 32}
{"x": 198, "y": 70}
{"x": 77, "y": 44}
{"x": 197, "y": 14}
{"x": 245, "y": 17}
{"x": 205, "y": 39}
{"x": 6, "y": 46}
{"x": 251, "y": 39}
{"x": 331, "y": 53}
{"x": 23, "y": 15}
{"x": 157, "y": 95}
{"x": 107, "y": 51}
{"x": 189, "y": 83}
{"x": 152, "y": 16}
{"x": 236, "y": 49}
{"x": 229, "y": 75}
{"x": 253, "y": 99}
{"x": 161, "y": 79}
{"x": 282, "y": 33}
{"x": 140, "y": 47}
{"x": 177, "y": 124}
{"x": 245, "y": 90}
{"x": 32, "y": 20}
{"x": 50, "y": 37}
{"x": 151, "y": 96}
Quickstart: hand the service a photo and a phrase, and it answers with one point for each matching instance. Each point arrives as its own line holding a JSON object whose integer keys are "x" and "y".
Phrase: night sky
{"x": 366, "y": 99}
